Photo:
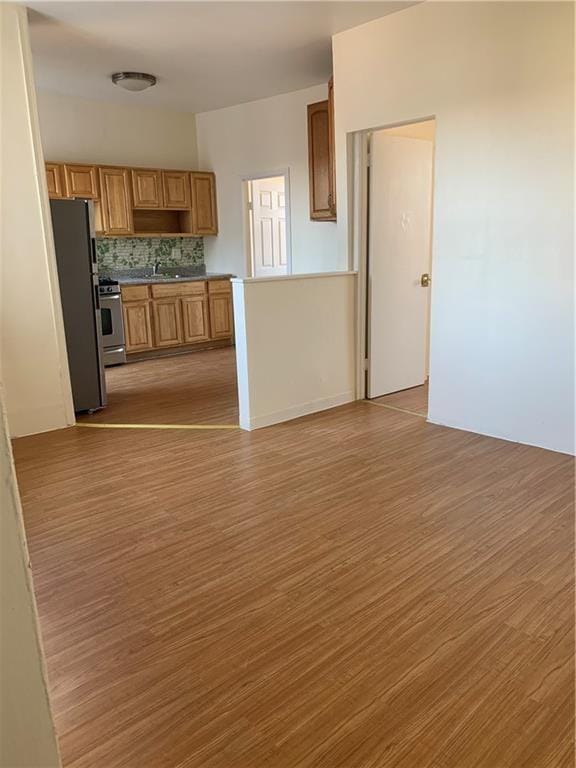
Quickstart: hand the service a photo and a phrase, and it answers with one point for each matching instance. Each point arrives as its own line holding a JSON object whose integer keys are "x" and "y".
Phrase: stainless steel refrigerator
{"x": 72, "y": 223}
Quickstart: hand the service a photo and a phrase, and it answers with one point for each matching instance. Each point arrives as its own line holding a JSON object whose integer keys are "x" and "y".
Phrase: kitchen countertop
{"x": 155, "y": 280}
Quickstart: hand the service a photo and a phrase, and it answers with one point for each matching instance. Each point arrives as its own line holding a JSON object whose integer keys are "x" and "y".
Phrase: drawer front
{"x": 219, "y": 286}
{"x": 134, "y": 292}
{"x": 178, "y": 289}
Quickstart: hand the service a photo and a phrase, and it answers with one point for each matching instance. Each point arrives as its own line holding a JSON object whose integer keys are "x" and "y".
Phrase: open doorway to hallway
{"x": 267, "y": 225}
{"x": 399, "y": 265}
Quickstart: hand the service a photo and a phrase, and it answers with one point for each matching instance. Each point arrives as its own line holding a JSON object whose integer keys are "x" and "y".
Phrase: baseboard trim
{"x": 567, "y": 451}
{"x": 296, "y": 411}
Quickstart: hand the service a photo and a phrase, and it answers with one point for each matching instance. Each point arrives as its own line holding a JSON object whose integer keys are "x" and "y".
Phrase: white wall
{"x": 32, "y": 345}
{"x": 83, "y": 131}
{"x": 27, "y": 735}
{"x": 32, "y": 367}
{"x": 259, "y": 137}
{"x": 499, "y": 79}
{"x": 291, "y": 361}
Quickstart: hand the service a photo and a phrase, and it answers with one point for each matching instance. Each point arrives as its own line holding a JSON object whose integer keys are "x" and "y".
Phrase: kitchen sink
{"x": 162, "y": 276}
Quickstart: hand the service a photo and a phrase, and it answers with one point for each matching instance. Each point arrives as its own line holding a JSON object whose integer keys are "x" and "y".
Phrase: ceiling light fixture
{"x": 133, "y": 81}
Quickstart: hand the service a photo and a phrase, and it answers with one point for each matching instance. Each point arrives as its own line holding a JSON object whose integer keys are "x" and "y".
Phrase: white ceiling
{"x": 206, "y": 55}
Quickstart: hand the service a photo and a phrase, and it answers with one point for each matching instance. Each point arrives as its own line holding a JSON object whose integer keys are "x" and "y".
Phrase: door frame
{"x": 357, "y": 146}
{"x": 247, "y": 223}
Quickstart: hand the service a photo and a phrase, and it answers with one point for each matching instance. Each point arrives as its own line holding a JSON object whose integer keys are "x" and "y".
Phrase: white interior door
{"x": 399, "y": 247}
{"x": 268, "y": 220}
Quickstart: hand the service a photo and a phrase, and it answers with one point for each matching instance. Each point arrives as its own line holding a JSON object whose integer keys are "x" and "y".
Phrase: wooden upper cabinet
{"x": 332, "y": 145}
{"x": 55, "y": 181}
{"x": 141, "y": 202}
{"x": 321, "y": 162}
{"x": 116, "y": 201}
{"x": 82, "y": 181}
{"x": 176, "y": 189}
{"x": 146, "y": 188}
{"x": 204, "y": 212}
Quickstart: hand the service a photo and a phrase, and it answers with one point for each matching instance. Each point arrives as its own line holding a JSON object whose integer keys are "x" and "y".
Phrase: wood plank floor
{"x": 199, "y": 387}
{"x": 414, "y": 399}
{"x": 354, "y": 589}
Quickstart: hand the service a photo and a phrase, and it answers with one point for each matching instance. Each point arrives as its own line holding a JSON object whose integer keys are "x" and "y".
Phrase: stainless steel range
{"x": 112, "y": 322}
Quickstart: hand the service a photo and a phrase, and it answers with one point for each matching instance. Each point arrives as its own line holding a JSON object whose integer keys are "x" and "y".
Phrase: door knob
{"x": 425, "y": 280}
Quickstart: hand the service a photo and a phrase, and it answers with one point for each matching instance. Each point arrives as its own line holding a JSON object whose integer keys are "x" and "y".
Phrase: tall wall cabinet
{"x": 140, "y": 202}
{"x": 321, "y": 162}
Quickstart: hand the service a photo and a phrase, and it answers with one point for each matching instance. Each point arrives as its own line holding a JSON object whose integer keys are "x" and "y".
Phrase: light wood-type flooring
{"x": 414, "y": 399}
{"x": 198, "y": 387}
{"x": 354, "y": 589}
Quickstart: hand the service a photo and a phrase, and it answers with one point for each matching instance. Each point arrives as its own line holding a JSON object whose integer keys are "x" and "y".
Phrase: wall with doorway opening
{"x": 499, "y": 79}
{"x": 263, "y": 137}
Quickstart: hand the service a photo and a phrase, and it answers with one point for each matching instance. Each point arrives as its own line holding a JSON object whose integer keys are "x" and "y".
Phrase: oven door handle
{"x": 109, "y": 296}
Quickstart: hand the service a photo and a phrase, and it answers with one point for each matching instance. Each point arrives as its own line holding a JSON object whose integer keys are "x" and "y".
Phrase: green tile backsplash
{"x": 121, "y": 252}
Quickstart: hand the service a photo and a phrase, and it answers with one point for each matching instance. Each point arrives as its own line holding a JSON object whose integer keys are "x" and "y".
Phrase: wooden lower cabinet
{"x": 167, "y": 316}
{"x": 176, "y": 314}
{"x": 138, "y": 326}
{"x": 221, "y": 323}
{"x": 195, "y": 319}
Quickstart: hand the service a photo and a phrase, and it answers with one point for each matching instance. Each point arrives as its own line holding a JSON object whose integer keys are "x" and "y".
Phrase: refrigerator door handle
{"x": 93, "y": 255}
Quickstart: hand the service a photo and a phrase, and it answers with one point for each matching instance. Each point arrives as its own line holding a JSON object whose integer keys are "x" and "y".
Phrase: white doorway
{"x": 400, "y": 189}
{"x": 267, "y": 220}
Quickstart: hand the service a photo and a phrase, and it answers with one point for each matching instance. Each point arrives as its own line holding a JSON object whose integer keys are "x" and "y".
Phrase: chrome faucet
{"x": 156, "y": 268}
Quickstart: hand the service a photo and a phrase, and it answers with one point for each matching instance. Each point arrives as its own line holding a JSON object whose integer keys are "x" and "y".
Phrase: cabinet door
{"x": 54, "y": 180}
{"x": 176, "y": 189}
{"x": 146, "y": 188}
{"x": 116, "y": 201}
{"x": 204, "y": 213}
{"x": 195, "y": 317}
{"x": 167, "y": 322}
{"x": 320, "y": 162}
{"x": 81, "y": 181}
{"x": 220, "y": 315}
{"x": 137, "y": 326}
{"x": 331, "y": 147}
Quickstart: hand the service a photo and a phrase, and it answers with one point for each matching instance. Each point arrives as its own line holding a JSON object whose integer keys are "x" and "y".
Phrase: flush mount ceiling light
{"x": 133, "y": 81}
